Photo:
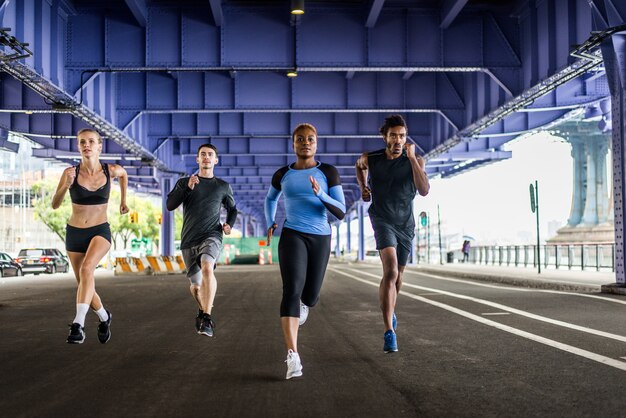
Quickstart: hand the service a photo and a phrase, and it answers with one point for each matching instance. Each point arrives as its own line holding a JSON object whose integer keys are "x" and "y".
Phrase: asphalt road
{"x": 466, "y": 349}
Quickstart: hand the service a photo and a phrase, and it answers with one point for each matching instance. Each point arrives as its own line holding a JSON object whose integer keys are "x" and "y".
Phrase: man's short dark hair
{"x": 391, "y": 122}
{"x": 213, "y": 147}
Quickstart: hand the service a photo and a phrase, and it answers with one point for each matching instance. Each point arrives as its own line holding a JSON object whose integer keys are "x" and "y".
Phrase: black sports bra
{"x": 82, "y": 196}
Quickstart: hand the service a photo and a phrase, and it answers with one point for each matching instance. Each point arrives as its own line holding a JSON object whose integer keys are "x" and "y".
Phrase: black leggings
{"x": 303, "y": 259}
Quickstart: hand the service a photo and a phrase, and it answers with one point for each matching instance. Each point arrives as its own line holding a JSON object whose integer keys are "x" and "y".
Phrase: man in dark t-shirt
{"x": 395, "y": 174}
{"x": 203, "y": 196}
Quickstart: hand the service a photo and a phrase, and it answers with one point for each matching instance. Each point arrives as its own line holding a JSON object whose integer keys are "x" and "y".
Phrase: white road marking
{"x": 514, "y": 288}
{"x": 546, "y": 341}
{"x": 495, "y": 313}
{"x": 517, "y": 289}
{"x": 513, "y": 310}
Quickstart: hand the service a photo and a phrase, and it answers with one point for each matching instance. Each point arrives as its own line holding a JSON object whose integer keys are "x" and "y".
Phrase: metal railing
{"x": 600, "y": 257}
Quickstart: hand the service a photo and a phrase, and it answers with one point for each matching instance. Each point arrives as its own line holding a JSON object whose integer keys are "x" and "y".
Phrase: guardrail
{"x": 600, "y": 257}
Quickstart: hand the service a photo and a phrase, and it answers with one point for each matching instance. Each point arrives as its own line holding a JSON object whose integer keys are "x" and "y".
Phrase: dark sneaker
{"x": 77, "y": 334}
{"x": 198, "y": 322}
{"x": 104, "y": 329}
{"x": 207, "y": 326}
{"x": 394, "y": 321}
{"x": 391, "y": 344}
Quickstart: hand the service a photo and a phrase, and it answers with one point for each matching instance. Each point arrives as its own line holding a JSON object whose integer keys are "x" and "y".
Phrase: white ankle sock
{"x": 102, "y": 314}
{"x": 81, "y": 313}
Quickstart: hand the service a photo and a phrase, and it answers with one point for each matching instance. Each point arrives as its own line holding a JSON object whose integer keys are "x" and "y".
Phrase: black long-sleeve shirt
{"x": 201, "y": 208}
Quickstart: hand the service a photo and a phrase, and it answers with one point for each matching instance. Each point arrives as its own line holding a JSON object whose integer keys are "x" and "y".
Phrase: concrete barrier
{"x": 150, "y": 265}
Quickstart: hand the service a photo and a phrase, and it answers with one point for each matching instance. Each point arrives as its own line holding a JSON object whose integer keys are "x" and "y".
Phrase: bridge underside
{"x": 158, "y": 78}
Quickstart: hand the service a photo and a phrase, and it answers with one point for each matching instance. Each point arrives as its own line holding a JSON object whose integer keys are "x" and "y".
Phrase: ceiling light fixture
{"x": 297, "y": 7}
{"x": 292, "y": 73}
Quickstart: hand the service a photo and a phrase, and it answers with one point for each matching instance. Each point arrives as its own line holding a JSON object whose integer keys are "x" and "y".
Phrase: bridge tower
{"x": 591, "y": 214}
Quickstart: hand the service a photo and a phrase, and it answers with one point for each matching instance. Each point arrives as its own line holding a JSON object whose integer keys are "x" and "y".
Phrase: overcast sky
{"x": 492, "y": 203}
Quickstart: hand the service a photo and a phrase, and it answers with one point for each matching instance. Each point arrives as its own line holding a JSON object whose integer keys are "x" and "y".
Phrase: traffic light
{"x": 159, "y": 218}
{"x": 423, "y": 218}
{"x": 134, "y": 217}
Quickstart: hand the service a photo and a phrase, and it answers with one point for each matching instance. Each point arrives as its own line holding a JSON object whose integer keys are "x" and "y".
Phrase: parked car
{"x": 9, "y": 267}
{"x": 43, "y": 260}
{"x": 372, "y": 255}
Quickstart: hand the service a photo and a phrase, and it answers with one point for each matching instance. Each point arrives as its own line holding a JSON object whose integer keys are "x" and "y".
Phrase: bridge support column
{"x": 618, "y": 109}
{"x": 348, "y": 233}
{"x": 244, "y": 226}
{"x": 256, "y": 229}
{"x": 413, "y": 254}
{"x": 361, "y": 218}
{"x": 580, "y": 176}
{"x": 589, "y": 219}
{"x": 596, "y": 196}
{"x": 167, "y": 222}
{"x": 614, "y": 56}
{"x": 337, "y": 240}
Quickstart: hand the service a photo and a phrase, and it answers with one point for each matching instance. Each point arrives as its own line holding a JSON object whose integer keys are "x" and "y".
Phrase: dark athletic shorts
{"x": 387, "y": 235}
{"x": 211, "y": 246}
{"x": 77, "y": 240}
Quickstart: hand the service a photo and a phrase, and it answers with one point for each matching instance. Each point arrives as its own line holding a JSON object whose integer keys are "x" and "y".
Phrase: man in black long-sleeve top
{"x": 202, "y": 197}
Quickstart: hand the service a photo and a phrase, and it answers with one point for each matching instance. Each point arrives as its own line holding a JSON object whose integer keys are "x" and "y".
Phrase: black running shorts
{"x": 77, "y": 240}
{"x": 388, "y": 235}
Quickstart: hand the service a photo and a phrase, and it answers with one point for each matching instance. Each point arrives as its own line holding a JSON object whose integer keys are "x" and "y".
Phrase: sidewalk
{"x": 568, "y": 280}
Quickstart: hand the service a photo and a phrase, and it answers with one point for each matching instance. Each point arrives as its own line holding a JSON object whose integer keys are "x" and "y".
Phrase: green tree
{"x": 178, "y": 225}
{"x": 148, "y": 220}
{"x": 121, "y": 227}
{"x": 55, "y": 220}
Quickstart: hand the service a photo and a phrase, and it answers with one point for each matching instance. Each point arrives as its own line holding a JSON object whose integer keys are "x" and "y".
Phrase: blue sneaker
{"x": 391, "y": 345}
{"x": 394, "y": 321}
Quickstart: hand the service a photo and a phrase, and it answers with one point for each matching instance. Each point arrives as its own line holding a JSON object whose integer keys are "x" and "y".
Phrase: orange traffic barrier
{"x": 150, "y": 265}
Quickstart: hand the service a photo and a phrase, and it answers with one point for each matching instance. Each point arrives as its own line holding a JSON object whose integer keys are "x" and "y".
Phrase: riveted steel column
{"x": 349, "y": 233}
{"x": 337, "y": 240}
{"x": 244, "y": 226}
{"x": 361, "y": 217}
{"x": 167, "y": 222}
{"x": 614, "y": 55}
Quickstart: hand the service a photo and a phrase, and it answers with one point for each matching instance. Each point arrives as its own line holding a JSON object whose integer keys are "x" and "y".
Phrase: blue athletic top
{"x": 306, "y": 211}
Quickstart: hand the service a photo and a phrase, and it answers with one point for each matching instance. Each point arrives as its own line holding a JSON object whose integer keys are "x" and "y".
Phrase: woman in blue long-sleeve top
{"x": 311, "y": 188}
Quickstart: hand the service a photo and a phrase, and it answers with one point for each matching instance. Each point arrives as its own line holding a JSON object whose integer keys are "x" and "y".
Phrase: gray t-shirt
{"x": 393, "y": 189}
{"x": 201, "y": 208}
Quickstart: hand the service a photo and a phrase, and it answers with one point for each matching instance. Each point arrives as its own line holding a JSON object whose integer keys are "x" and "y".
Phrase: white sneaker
{"x": 294, "y": 367}
{"x": 304, "y": 313}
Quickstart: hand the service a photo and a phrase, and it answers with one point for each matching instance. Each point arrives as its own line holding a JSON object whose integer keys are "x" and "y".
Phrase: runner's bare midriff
{"x": 86, "y": 216}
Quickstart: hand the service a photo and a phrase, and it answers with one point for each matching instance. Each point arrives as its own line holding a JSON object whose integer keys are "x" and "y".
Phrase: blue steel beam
{"x": 507, "y": 39}
{"x": 449, "y": 11}
{"x": 374, "y": 12}
{"x": 182, "y": 76}
{"x": 139, "y": 10}
{"x": 255, "y": 38}
{"x": 218, "y": 14}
